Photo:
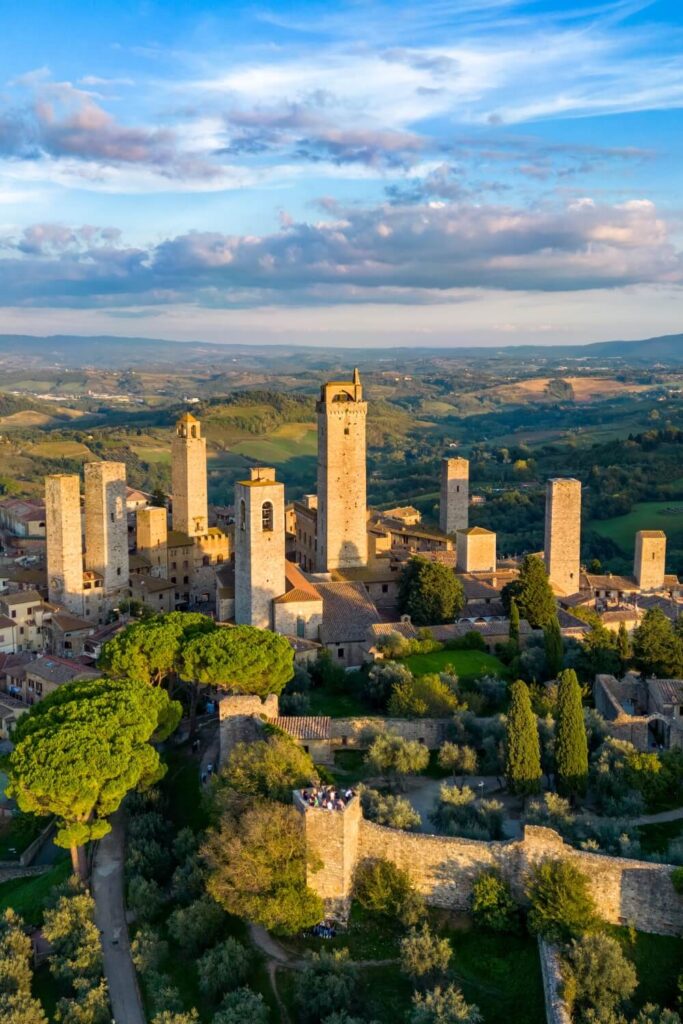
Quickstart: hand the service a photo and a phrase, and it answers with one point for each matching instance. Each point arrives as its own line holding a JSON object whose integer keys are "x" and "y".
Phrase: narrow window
{"x": 267, "y": 516}
{"x": 243, "y": 514}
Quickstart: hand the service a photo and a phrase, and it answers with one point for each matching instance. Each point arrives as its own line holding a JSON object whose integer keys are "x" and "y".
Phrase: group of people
{"x": 329, "y": 797}
{"x": 324, "y": 930}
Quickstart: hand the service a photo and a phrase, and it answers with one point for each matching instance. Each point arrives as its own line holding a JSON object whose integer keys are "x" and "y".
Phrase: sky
{"x": 433, "y": 173}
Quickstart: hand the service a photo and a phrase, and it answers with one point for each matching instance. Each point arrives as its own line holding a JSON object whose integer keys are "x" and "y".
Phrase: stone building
{"x": 188, "y": 477}
{"x": 64, "y": 541}
{"x": 151, "y": 539}
{"x": 476, "y": 550}
{"x": 259, "y": 547}
{"x": 298, "y": 612}
{"x": 106, "y": 526}
{"x": 455, "y": 495}
{"x": 342, "y": 511}
{"x": 563, "y": 534}
{"x": 650, "y": 559}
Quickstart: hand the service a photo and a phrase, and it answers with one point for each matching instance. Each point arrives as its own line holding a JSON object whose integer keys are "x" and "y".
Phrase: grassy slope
{"x": 27, "y": 895}
{"x": 647, "y": 515}
{"x": 467, "y": 664}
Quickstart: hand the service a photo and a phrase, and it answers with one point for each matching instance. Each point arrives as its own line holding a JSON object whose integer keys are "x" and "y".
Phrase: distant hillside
{"x": 61, "y": 350}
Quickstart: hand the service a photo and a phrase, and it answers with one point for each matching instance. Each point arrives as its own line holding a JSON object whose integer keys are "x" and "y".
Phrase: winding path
{"x": 110, "y": 917}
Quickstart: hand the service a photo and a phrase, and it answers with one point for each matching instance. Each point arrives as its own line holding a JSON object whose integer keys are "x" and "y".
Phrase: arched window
{"x": 193, "y": 431}
{"x": 267, "y": 516}
{"x": 243, "y": 514}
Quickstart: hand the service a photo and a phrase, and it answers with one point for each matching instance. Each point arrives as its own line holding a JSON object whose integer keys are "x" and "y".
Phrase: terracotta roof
{"x": 5, "y": 623}
{"x": 304, "y": 727}
{"x": 611, "y": 582}
{"x": 477, "y": 531}
{"x": 21, "y": 597}
{"x": 178, "y": 539}
{"x": 620, "y": 615}
{"x": 138, "y": 562}
{"x": 152, "y": 584}
{"x": 347, "y": 612}
{"x": 69, "y": 623}
{"x": 59, "y": 670}
{"x": 569, "y": 621}
{"x": 295, "y": 596}
{"x": 670, "y": 690}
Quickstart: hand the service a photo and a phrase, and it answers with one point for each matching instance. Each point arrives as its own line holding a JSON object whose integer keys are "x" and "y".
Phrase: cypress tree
{"x": 522, "y": 754}
{"x": 514, "y": 623}
{"x": 623, "y": 645}
{"x": 571, "y": 745}
{"x": 554, "y": 648}
{"x": 533, "y": 593}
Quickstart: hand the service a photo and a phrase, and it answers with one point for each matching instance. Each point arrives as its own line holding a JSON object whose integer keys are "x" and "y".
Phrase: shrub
{"x": 561, "y": 905}
{"x": 269, "y": 768}
{"x": 493, "y": 905}
{"x": 597, "y": 975}
{"x": 243, "y": 1006}
{"x": 382, "y": 678}
{"x": 327, "y": 983}
{"x": 677, "y": 879}
{"x": 385, "y": 809}
{"x": 223, "y": 967}
{"x": 472, "y": 641}
{"x": 145, "y": 898}
{"x": 163, "y": 995}
{"x": 395, "y": 757}
{"x": 424, "y": 954}
{"x": 459, "y": 813}
{"x": 91, "y": 1006}
{"x": 71, "y": 931}
{"x": 148, "y": 950}
{"x": 381, "y": 887}
{"x": 428, "y": 696}
{"x": 197, "y": 926}
{"x": 458, "y": 759}
{"x": 443, "y": 1006}
{"x": 171, "y": 1017}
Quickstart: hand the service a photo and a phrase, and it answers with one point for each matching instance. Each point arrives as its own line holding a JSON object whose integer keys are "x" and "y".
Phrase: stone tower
{"x": 259, "y": 547}
{"x": 333, "y": 837}
{"x": 64, "y": 541}
{"x": 188, "y": 477}
{"x": 455, "y": 495}
{"x": 650, "y": 559}
{"x": 563, "y": 534}
{"x": 106, "y": 524}
{"x": 476, "y": 550}
{"x": 151, "y": 535}
{"x": 342, "y": 512}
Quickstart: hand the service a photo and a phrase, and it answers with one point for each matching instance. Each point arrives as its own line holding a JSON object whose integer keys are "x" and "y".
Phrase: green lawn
{"x": 467, "y": 664}
{"x": 658, "y": 960}
{"x": 19, "y": 832}
{"x": 336, "y": 705}
{"x": 646, "y": 515}
{"x": 656, "y": 838}
{"x": 27, "y": 895}
{"x": 501, "y": 974}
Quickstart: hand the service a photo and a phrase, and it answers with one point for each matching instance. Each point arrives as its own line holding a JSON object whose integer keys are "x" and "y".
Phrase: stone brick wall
{"x": 649, "y": 559}
{"x": 359, "y": 732}
{"x": 64, "y": 541}
{"x": 239, "y": 717}
{"x": 444, "y": 868}
{"x": 106, "y": 524}
{"x": 556, "y": 1010}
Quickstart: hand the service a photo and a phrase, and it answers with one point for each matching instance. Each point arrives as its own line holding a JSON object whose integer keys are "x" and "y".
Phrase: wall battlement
{"x": 444, "y": 869}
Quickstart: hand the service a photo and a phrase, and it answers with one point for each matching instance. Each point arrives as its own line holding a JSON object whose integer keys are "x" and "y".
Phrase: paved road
{"x": 107, "y": 883}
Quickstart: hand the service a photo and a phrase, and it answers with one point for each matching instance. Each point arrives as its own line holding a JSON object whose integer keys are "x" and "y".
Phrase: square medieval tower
{"x": 342, "y": 504}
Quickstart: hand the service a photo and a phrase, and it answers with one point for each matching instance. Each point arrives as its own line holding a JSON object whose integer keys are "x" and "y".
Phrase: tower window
{"x": 267, "y": 516}
{"x": 347, "y": 431}
{"x": 243, "y": 514}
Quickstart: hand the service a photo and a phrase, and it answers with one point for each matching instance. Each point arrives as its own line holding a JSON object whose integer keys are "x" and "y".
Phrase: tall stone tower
{"x": 650, "y": 559}
{"x": 64, "y": 541}
{"x": 188, "y": 477}
{"x": 563, "y": 534}
{"x": 106, "y": 524}
{"x": 151, "y": 536}
{"x": 342, "y": 510}
{"x": 259, "y": 547}
{"x": 455, "y": 495}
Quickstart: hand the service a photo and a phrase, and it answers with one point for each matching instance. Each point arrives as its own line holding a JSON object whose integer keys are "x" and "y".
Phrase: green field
{"x": 27, "y": 895}
{"x": 153, "y": 454}
{"x": 285, "y": 443}
{"x": 467, "y": 664}
{"x": 62, "y": 450}
{"x": 647, "y": 515}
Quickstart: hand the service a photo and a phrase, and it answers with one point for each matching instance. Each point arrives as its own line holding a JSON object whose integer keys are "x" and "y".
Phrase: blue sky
{"x": 435, "y": 173}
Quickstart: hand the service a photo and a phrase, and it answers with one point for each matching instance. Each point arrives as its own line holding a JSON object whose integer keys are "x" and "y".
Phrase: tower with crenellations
{"x": 64, "y": 541}
{"x": 106, "y": 524}
{"x": 342, "y": 503}
{"x": 650, "y": 559}
{"x": 259, "y": 547}
{"x": 563, "y": 534}
{"x": 455, "y": 495}
{"x": 188, "y": 478}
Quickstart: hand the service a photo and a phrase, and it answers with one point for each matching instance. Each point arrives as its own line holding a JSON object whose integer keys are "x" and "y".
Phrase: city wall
{"x": 444, "y": 869}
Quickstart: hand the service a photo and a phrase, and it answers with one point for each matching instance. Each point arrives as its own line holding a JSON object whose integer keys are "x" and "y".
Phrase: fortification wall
{"x": 239, "y": 718}
{"x": 444, "y": 869}
{"x": 359, "y": 732}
